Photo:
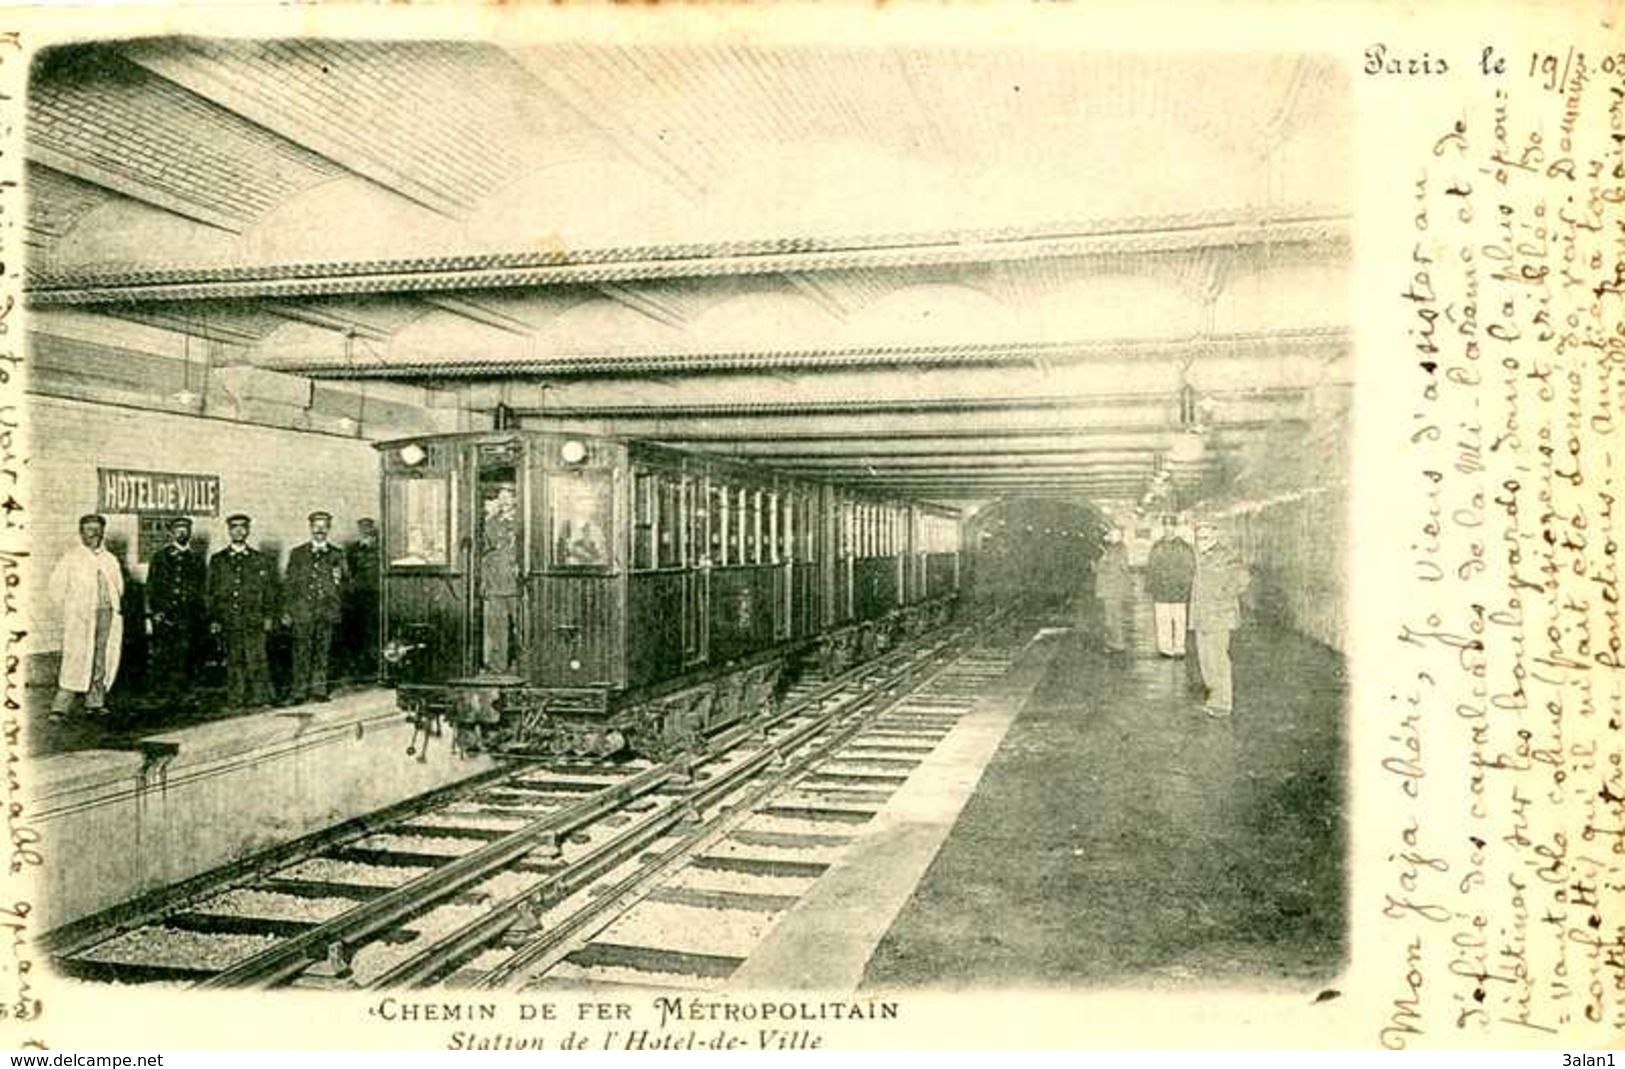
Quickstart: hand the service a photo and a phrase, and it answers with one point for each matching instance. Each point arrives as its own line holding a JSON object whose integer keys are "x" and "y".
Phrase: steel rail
{"x": 281, "y": 963}
{"x": 845, "y": 720}
{"x": 546, "y": 948}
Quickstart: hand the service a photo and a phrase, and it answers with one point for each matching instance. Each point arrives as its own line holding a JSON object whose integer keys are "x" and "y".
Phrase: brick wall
{"x": 275, "y": 475}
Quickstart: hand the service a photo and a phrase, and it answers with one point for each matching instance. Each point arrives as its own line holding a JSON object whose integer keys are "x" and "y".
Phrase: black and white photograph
{"x": 758, "y": 534}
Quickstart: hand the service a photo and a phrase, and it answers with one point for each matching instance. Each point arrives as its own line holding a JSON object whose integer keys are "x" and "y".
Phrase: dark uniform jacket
{"x": 363, "y": 562}
{"x": 242, "y": 589}
{"x": 314, "y": 586}
{"x": 499, "y": 562}
{"x": 177, "y": 582}
{"x": 1168, "y": 571}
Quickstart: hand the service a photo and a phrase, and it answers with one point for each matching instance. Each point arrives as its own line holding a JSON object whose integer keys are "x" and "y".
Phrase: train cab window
{"x": 418, "y": 521}
{"x": 643, "y": 521}
{"x": 668, "y": 523}
{"x": 579, "y": 505}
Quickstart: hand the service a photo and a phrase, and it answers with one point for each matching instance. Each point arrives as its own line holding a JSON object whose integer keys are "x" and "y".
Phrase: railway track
{"x": 538, "y": 870}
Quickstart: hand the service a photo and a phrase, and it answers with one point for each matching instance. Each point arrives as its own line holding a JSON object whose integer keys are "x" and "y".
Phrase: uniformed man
{"x": 242, "y": 606}
{"x": 499, "y": 580}
{"x": 314, "y": 590}
{"x": 177, "y": 591}
{"x": 361, "y": 623}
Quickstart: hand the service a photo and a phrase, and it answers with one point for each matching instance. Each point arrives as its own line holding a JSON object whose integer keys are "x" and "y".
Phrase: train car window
{"x": 781, "y": 527}
{"x": 719, "y": 526}
{"x": 643, "y": 521}
{"x": 753, "y": 526}
{"x": 808, "y": 528}
{"x": 668, "y": 523}
{"x": 579, "y": 505}
{"x": 693, "y": 522}
{"x": 736, "y": 528}
{"x": 418, "y": 521}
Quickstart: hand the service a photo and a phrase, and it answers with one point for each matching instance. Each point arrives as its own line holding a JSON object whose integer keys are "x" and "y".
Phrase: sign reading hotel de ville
{"x": 183, "y": 493}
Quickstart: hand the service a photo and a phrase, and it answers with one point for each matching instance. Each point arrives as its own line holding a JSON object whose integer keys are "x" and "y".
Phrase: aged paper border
{"x": 1390, "y": 113}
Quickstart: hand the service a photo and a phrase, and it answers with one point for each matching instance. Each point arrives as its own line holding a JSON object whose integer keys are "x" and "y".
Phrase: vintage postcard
{"x": 817, "y": 527}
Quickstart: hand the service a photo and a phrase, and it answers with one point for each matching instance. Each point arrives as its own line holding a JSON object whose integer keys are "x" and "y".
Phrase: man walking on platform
{"x": 1168, "y": 572}
{"x": 89, "y": 586}
{"x": 177, "y": 592}
{"x": 242, "y": 604}
{"x": 1215, "y": 613}
{"x": 314, "y": 586}
{"x": 1113, "y": 587}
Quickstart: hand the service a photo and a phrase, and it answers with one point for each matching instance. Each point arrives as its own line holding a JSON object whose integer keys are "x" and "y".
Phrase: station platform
{"x": 1088, "y": 826}
{"x": 121, "y": 812}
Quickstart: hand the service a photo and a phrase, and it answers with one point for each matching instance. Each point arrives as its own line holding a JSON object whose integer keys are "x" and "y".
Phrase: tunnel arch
{"x": 1036, "y": 549}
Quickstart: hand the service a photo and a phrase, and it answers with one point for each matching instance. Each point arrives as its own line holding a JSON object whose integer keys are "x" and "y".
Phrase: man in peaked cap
{"x": 242, "y": 605}
{"x": 177, "y": 589}
{"x": 1216, "y": 588}
{"x": 314, "y": 584}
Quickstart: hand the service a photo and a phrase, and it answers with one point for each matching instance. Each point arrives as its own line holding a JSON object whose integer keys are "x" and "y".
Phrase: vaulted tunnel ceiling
{"x": 958, "y": 273}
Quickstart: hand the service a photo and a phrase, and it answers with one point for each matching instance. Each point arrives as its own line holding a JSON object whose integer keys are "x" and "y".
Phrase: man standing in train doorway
{"x": 242, "y": 605}
{"x": 314, "y": 591}
{"x": 1168, "y": 572}
{"x": 499, "y": 579}
{"x": 177, "y": 581}
{"x": 89, "y": 586}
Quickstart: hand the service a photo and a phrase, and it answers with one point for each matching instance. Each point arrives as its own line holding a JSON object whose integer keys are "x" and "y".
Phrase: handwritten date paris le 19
{"x": 1380, "y": 59}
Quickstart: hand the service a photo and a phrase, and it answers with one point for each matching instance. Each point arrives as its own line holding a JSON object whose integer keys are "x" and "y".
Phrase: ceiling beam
{"x": 803, "y": 441}
{"x": 1232, "y": 403}
{"x": 773, "y": 256}
{"x": 1320, "y": 345}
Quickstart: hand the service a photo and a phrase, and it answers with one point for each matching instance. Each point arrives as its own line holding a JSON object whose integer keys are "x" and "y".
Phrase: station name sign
{"x": 181, "y": 493}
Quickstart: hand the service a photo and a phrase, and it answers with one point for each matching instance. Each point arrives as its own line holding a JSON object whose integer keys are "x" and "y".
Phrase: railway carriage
{"x": 562, "y": 593}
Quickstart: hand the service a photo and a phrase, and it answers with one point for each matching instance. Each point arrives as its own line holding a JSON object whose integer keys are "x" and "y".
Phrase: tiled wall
{"x": 276, "y": 475}
{"x": 1298, "y": 553}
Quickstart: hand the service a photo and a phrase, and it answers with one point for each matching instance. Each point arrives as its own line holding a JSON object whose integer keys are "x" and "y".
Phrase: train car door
{"x": 697, "y": 561}
{"x": 499, "y": 633}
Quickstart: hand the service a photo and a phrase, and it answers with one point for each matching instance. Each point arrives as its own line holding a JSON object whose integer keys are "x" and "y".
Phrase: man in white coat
{"x": 89, "y": 587}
